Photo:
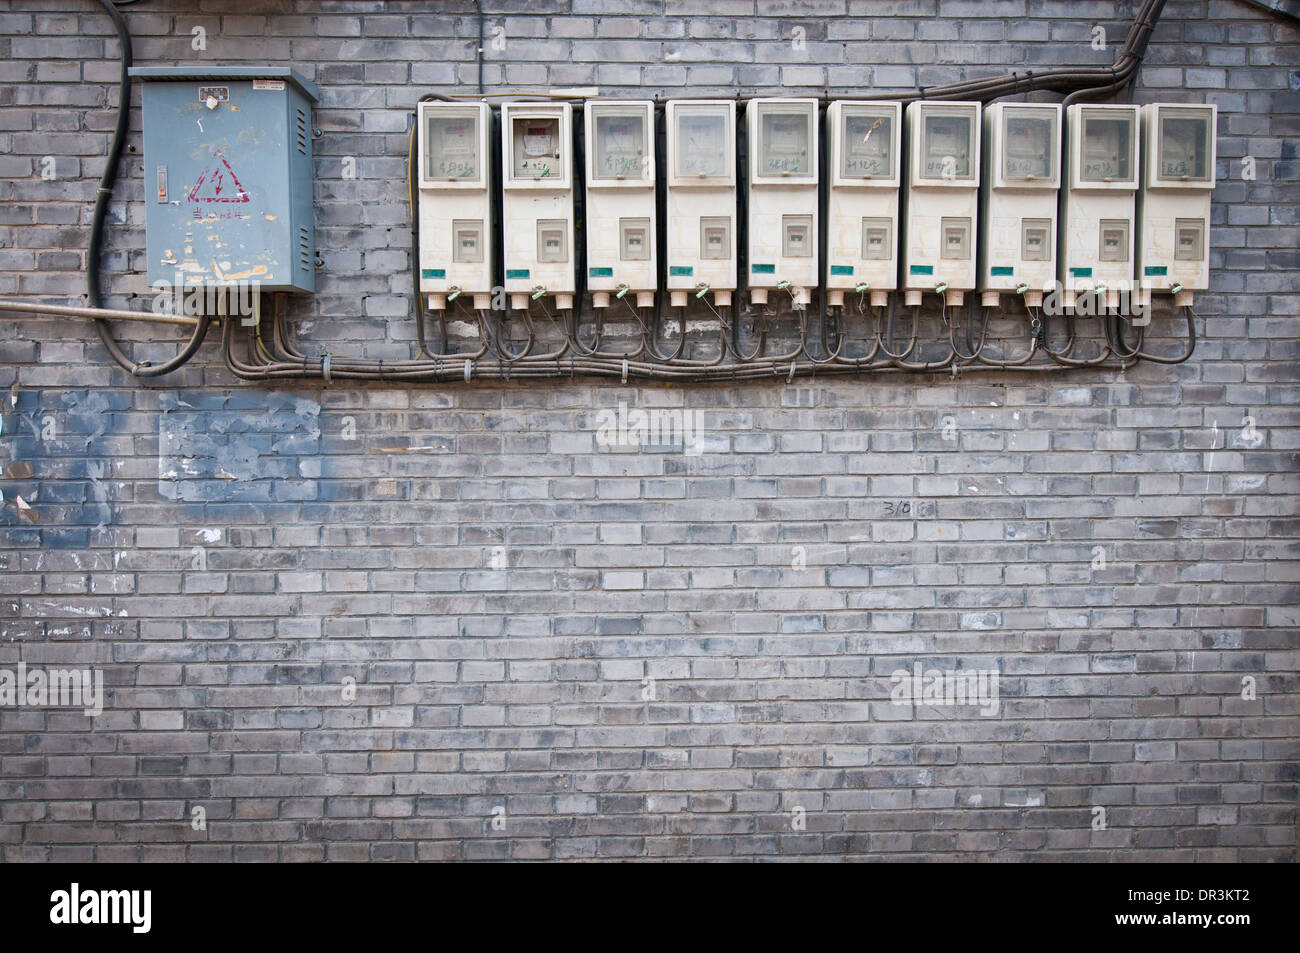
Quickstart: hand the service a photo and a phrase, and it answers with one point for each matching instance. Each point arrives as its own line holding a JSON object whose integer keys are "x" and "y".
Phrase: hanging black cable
{"x": 101, "y": 213}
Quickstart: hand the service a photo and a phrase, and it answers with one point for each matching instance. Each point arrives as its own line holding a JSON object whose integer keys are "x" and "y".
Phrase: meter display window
{"x": 467, "y": 238}
{"x": 877, "y": 243}
{"x": 956, "y": 239}
{"x": 867, "y": 145}
{"x": 536, "y": 147}
{"x": 785, "y": 141}
{"x": 948, "y": 142}
{"x": 796, "y": 231}
{"x": 1107, "y": 147}
{"x": 634, "y": 239}
{"x": 1184, "y": 144}
{"x": 552, "y": 240}
{"x": 1034, "y": 235}
{"x": 451, "y": 147}
{"x": 1028, "y": 145}
{"x": 1114, "y": 240}
{"x": 620, "y": 145}
{"x": 715, "y": 238}
{"x": 702, "y": 139}
{"x": 1191, "y": 239}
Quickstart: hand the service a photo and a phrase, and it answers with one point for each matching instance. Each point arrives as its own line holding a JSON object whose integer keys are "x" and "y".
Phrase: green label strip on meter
{"x": 1156, "y": 270}
{"x": 601, "y": 272}
{"x": 681, "y": 270}
{"x": 1000, "y": 271}
{"x": 765, "y": 269}
{"x": 1080, "y": 272}
{"x": 433, "y": 272}
{"x": 921, "y": 270}
{"x": 841, "y": 269}
{"x": 516, "y": 272}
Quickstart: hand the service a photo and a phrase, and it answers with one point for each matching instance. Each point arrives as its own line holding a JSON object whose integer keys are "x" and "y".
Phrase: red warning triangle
{"x": 218, "y": 183}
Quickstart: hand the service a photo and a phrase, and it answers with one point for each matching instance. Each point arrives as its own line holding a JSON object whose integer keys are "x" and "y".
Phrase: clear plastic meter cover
{"x": 786, "y": 141}
{"x": 948, "y": 139}
{"x": 1107, "y": 147}
{"x": 452, "y": 147}
{"x": 702, "y": 142}
{"x": 620, "y": 145}
{"x": 867, "y": 148}
{"x": 536, "y": 147}
{"x": 1027, "y": 145}
{"x": 1184, "y": 144}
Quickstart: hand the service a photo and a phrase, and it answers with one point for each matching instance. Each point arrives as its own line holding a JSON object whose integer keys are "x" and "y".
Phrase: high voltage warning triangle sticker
{"x": 218, "y": 183}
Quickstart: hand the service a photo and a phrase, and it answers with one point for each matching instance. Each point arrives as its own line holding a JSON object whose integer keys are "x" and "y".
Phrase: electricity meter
{"x": 701, "y": 199}
{"x": 537, "y": 201}
{"x": 1022, "y": 158}
{"x": 941, "y": 202}
{"x": 1173, "y": 208}
{"x": 862, "y": 213}
{"x": 620, "y": 215}
{"x": 1095, "y": 244}
{"x": 455, "y": 182}
{"x": 782, "y": 136}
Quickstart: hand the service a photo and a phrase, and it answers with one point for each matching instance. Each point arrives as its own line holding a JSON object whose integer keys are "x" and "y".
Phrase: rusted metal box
{"x": 228, "y": 177}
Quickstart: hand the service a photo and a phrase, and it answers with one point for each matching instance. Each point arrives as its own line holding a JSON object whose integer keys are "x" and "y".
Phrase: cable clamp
{"x": 325, "y": 368}
{"x": 381, "y": 369}
{"x": 791, "y": 377}
{"x": 624, "y": 370}
{"x": 469, "y": 370}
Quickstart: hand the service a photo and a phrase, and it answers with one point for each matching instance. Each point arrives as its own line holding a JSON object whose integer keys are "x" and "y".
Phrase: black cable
{"x": 101, "y": 213}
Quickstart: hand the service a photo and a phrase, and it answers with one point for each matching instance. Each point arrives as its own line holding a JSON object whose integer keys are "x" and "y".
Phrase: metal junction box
{"x": 228, "y": 176}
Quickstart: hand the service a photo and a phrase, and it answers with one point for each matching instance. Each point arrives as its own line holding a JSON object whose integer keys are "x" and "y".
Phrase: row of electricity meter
{"x": 1128, "y": 210}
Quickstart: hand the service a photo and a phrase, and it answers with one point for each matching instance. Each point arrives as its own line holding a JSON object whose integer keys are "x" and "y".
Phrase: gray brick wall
{"x": 372, "y": 622}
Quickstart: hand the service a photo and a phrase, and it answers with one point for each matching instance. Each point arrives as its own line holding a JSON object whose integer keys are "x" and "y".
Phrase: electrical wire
{"x": 100, "y": 215}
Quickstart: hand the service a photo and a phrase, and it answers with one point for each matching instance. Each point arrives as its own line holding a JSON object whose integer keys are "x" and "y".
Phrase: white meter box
{"x": 620, "y": 194}
{"x": 1173, "y": 208}
{"x": 1097, "y": 215}
{"x": 455, "y": 182}
{"x": 941, "y": 202}
{"x": 862, "y": 228}
{"x": 537, "y": 203}
{"x": 782, "y": 207}
{"x": 1018, "y": 199}
{"x": 701, "y": 197}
